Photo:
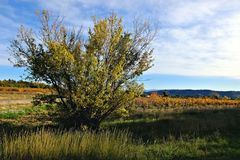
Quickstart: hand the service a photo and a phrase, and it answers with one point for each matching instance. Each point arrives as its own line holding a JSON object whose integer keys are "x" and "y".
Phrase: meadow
{"x": 155, "y": 128}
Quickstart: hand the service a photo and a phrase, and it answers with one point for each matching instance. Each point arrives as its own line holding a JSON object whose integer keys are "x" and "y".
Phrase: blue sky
{"x": 197, "y": 46}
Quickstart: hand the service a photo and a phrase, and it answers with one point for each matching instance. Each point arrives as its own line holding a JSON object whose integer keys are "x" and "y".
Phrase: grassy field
{"x": 15, "y": 96}
{"x": 150, "y": 132}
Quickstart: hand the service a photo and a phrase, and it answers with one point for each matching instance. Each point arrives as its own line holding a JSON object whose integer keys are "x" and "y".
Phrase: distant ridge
{"x": 195, "y": 93}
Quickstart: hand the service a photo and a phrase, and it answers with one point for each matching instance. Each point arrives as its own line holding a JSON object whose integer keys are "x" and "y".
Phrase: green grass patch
{"x": 21, "y": 112}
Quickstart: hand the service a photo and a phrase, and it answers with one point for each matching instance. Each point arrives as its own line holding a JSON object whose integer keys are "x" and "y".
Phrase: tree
{"x": 215, "y": 95}
{"x": 93, "y": 77}
{"x": 165, "y": 94}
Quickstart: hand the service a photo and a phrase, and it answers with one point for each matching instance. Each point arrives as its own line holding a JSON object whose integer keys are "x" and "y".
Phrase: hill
{"x": 196, "y": 93}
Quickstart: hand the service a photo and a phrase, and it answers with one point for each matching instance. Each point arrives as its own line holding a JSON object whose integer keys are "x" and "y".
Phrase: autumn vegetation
{"x": 90, "y": 106}
{"x": 158, "y": 101}
{"x": 12, "y": 90}
{"x": 23, "y": 87}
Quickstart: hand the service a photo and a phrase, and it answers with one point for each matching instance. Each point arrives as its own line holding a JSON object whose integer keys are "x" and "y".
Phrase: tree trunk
{"x": 93, "y": 124}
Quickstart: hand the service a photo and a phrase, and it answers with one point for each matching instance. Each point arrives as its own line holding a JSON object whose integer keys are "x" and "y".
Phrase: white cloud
{"x": 184, "y": 12}
{"x": 4, "y": 55}
{"x": 201, "y": 38}
{"x": 8, "y": 29}
{"x": 197, "y": 37}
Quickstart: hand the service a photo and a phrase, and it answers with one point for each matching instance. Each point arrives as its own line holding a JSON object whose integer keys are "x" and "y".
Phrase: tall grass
{"x": 115, "y": 145}
{"x": 68, "y": 145}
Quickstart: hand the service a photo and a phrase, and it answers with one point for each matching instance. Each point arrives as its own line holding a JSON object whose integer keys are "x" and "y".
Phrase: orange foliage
{"x": 160, "y": 101}
{"x": 24, "y": 90}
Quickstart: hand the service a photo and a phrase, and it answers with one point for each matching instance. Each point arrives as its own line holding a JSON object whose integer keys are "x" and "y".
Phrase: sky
{"x": 197, "y": 45}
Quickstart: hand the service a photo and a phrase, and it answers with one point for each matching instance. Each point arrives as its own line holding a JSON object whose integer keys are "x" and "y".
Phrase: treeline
{"x": 22, "y": 84}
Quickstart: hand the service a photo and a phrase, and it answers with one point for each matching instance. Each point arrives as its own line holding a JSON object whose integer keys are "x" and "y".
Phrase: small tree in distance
{"x": 93, "y": 77}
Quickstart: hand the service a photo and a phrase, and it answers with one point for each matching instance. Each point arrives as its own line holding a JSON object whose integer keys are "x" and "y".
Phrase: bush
{"x": 44, "y": 99}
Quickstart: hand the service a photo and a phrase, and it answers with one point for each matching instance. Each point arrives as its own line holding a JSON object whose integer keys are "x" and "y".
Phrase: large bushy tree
{"x": 93, "y": 76}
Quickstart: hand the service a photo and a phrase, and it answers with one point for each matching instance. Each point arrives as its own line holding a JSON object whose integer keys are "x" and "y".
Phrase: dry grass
{"x": 13, "y": 107}
{"x": 16, "y": 96}
{"x": 12, "y": 102}
{"x": 67, "y": 145}
{"x": 115, "y": 145}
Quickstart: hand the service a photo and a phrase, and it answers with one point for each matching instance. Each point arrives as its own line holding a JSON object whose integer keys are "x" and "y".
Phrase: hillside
{"x": 196, "y": 93}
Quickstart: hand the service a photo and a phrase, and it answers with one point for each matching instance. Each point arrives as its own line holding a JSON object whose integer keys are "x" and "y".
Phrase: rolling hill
{"x": 196, "y": 93}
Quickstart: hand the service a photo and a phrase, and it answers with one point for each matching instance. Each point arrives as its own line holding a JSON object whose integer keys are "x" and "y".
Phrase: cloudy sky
{"x": 197, "y": 46}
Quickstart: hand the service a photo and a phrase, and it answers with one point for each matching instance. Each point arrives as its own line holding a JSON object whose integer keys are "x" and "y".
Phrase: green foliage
{"x": 93, "y": 78}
